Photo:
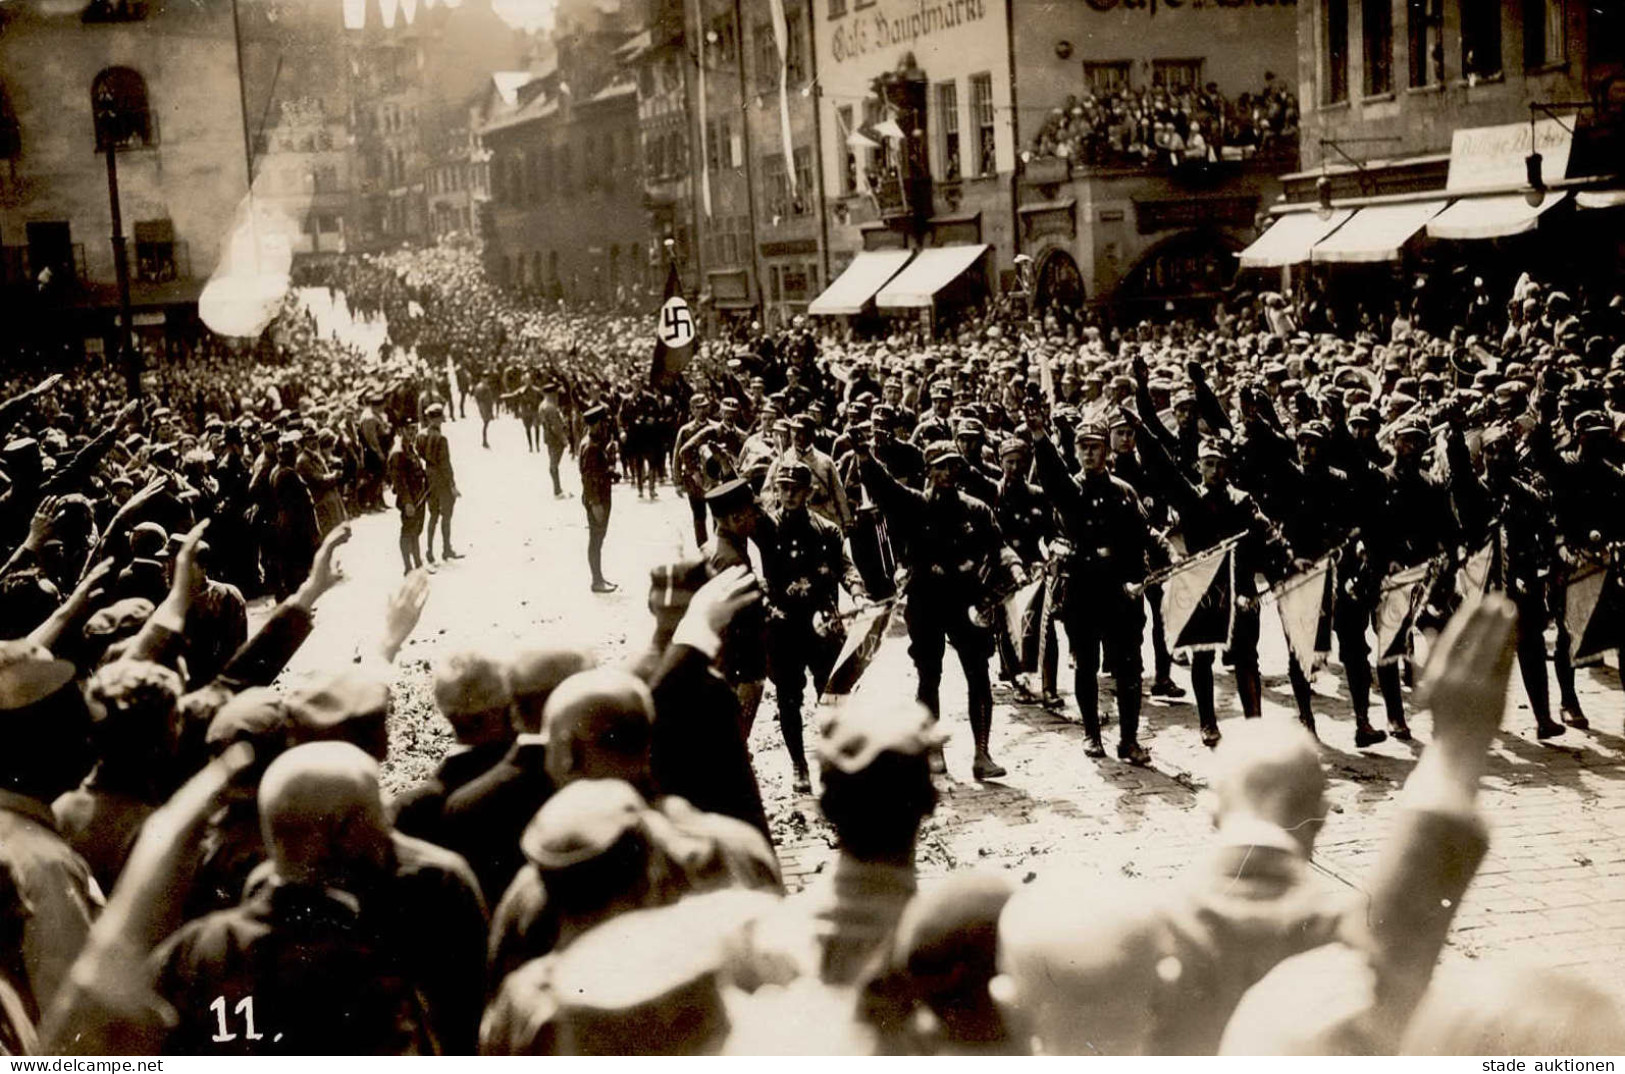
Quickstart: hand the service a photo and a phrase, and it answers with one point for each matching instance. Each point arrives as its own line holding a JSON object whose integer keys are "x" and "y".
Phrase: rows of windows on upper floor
{"x": 1479, "y": 27}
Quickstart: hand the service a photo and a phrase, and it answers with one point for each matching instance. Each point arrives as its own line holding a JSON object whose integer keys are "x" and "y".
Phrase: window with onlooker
{"x": 849, "y": 158}
{"x": 1605, "y": 34}
{"x": 796, "y": 46}
{"x": 775, "y": 187}
{"x": 1335, "y": 50}
{"x": 837, "y": 8}
{"x": 948, "y": 124}
{"x": 981, "y": 95}
{"x": 1107, "y": 77}
{"x": 123, "y": 117}
{"x": 767, "y": 57}
{"x": 726, "y": 40}
{"x": 803, "y": 198}
{"x": 1176, "y": 76}
{"x": 1480, "y": 38}
{"x": 1377, "y": 43}
{"x": 1422, "y": 23}
{"x": 1545, "y": 41}
{"x": 155, "y": 251}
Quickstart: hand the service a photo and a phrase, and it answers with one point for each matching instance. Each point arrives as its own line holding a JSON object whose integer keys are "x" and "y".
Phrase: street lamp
{"x": 115, "y": 126}
{"x": 1535, "y": 196}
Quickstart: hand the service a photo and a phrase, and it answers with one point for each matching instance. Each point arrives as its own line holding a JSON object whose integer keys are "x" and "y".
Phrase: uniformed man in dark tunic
{"x": 1414, "y": 522}
{"x": 409, "y": 481}
{"x": 686, "y": 477}
{"x": 1508, "y": 511}
{"x": 1211, "y": 513}
{"x": 555, "y": 433}
{"x": 442, "y": 481}
{"x": 955, "y": 550}
{"x": 1321, "y": 509}
{"x": 1589, "y": 494}
{"x": 595, "y": 464}
{"x": 1112, "y": 544}
{"x": 805, "y": 565}
{"x": 936, "y": 424}
{"x": 1026, "y": 520}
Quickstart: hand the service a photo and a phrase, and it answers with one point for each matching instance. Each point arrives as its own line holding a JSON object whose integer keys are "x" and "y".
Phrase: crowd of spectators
{"x": 1169, "y": 128}
{"x": 196, "y": 858}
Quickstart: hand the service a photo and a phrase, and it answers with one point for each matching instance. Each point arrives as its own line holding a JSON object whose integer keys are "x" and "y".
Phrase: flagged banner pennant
{"x": 1199, "y": 599}
{"x": 863, "y": 639}
{"x": 1401, "y": 594}
{"x": 1473, "y": 580}
{"x": 1304, "y": 603}
{"x": 1021, "y": 609}
{"x": 674, "y": 333}
{"x": 1591, "y": 612}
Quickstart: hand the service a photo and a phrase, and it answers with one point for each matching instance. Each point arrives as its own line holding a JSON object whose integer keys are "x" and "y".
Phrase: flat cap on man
{"x": 29, "y": 673}
{"x": 582, "y": 820}
{"x": 1593, "y": 421}
{"x": 350, "y": 706}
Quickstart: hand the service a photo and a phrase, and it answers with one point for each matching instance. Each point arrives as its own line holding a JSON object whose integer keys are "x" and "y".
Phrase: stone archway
{"x": 1057, "y": 281}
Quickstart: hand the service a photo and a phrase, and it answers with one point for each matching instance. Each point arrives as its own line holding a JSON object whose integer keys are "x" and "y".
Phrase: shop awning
{"x": 1289, "y": 239}
{"x": 929, "y": 272}
{"x": 1600, "y": 199}
{"x": 1376, "y": 233}
{"x": 1489, "y": 218}
{"x": 852, "y": 289}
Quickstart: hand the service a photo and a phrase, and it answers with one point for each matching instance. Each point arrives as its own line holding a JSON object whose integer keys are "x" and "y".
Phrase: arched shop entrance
{"x": 1180, "y": 273}
{"x": 1057, "y": 283}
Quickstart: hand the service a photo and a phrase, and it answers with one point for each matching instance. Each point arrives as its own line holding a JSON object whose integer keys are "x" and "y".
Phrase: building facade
{"x": 660, "y": 61}
{"x": 459, "y": 182}
{"x": 142, "y": 86}
{"x": 1442, "y": 135}
{"x": 566, "y": 218}
{"x": 413, "y": 78}
{"x": 1109, "y": 151}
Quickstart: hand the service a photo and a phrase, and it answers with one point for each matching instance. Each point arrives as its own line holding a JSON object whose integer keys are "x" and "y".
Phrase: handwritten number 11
{"x": 245, "y": 1007}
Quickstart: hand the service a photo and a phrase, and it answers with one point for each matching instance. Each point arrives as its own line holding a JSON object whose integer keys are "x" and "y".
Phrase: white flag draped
{"x": 705, "y": 135}
{"x": 1198, "y": 600}
{"x": 1396, "y": 610}
{"x": 1301, "y": 602}
{"x": 781, "y": 37}
{"x": 1582, "y": 599}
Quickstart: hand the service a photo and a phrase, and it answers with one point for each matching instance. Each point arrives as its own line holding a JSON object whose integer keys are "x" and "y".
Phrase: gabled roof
{"x": 537, "y": 109}
{"x": 507, "y": 83}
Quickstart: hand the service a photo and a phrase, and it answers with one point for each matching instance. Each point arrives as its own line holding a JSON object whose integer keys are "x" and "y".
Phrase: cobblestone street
{"x": 1552, "y": 889}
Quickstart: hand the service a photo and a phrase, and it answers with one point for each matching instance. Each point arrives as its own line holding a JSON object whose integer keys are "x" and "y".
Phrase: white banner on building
{"x": 1484, "y": 157}
{"x": 781, "y": 37}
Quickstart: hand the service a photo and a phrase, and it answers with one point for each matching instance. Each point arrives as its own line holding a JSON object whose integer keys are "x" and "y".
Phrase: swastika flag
{"x": 674, "y": 333}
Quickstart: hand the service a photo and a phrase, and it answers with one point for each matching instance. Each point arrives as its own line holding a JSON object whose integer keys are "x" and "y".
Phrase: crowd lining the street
{"x": 193, "y": 860}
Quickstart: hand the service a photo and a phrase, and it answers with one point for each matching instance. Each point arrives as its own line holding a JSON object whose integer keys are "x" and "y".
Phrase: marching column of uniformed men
{"x": 1095, "y": 486}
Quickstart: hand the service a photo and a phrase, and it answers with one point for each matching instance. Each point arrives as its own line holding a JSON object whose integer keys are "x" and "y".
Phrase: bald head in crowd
{"x": 598, "y": 726}
{"x": 471, "y": 691}
{"x": 322, "y": 815}
{"x": 533, "y": 675}
{"x": 1271, "y": 773}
